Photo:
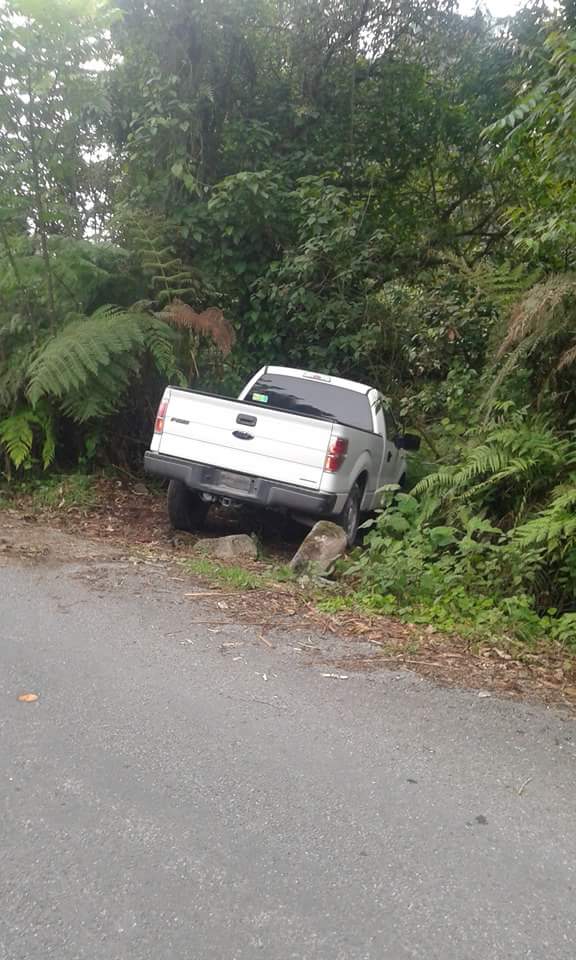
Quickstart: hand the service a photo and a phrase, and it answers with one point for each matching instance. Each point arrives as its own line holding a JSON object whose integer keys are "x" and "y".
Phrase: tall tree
{"x": 50, "y": 126}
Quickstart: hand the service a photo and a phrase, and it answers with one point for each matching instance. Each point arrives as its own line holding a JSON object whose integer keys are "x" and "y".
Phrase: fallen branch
{"x": 524, "y": 785}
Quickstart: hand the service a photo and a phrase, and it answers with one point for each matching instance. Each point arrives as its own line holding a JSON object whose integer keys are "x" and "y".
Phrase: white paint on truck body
{"x": 282, "y": 447}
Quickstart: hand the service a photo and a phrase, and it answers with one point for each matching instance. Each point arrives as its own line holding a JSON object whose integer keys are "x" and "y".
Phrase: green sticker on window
{"x": 260, "y": 397}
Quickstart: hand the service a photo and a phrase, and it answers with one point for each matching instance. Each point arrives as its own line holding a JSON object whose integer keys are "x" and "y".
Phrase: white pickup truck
{"x": 310, "y": 445}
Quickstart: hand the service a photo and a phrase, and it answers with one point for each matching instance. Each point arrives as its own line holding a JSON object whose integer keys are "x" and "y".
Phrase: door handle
{"x": 247, "y": 421}
{"x": 242, "y": 436}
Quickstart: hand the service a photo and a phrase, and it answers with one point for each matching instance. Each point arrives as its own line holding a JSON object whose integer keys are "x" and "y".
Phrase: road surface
{"x": 183, "y": 792}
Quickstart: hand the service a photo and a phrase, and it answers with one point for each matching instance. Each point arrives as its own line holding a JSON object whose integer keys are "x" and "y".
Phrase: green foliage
{"x": 520, "y": 472}
{"x": 17, "y": 437}
{"x": 63, "y": 491}
{"x": 536, "y": 136}
{"x": 229, "y": 575}
{"x": 540, "y": 338}
{"x": 235, "y": 577}
{"x": 90, "y": 361}
{"x": 467, "y": 577}
{"x": 19, "y": 433}
{"x": 168, "y": 277}
{"x": 248, "y": 183}
{"x": 554, "y": 527}
{"x": 84, "y": 350}
{"x": 507, "y": 464}
{"x": 51, "y": 491}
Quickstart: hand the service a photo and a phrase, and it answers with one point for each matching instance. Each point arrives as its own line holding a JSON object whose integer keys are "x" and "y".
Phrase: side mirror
{"x": 407, "y": 441}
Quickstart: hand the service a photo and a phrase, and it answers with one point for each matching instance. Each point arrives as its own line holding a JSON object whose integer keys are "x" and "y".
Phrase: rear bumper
{"x": 257, "y": 490}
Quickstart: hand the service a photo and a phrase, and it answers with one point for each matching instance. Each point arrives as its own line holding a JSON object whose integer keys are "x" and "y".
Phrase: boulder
{"x": 238, "y": 546}
{"x": 318, "y": 551}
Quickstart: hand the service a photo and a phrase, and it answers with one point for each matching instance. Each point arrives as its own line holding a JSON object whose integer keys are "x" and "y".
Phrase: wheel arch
{"x": 362, "y": 481}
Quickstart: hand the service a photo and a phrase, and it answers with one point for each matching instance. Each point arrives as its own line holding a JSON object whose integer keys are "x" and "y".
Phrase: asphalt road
{"x": 169, "y": 797}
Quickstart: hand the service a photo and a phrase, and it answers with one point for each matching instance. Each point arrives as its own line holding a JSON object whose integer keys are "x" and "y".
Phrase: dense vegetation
{"x": 384, "y": 189}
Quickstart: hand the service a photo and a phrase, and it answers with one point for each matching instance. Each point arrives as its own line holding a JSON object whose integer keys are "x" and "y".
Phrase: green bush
{"x": 467, "y": 576}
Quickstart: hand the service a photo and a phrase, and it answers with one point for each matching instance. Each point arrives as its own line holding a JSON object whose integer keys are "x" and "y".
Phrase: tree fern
{"x": 172, "y": 283}
{"x": 210, "y": 323}
{"x": 169, "y": 277}
{"x": 86, "y": 348}
{"x": 88, "y": 364}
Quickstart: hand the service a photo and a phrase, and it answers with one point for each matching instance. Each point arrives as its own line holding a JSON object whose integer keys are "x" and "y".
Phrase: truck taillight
{"x": 159, "y": 423}
{"x": 336, "y": 455}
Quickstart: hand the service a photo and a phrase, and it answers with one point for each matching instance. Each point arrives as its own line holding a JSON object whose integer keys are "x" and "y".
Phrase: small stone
{"x": 140, "y": 489}
{"x": 180, "y": 538}
{"x": 318, "y": 551}
{"x": 237, "y": 546}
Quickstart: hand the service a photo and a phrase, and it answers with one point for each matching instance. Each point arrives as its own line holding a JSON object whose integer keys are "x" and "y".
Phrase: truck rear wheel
{"x": 186, "y": 510}
{"x": 349, "y": 519}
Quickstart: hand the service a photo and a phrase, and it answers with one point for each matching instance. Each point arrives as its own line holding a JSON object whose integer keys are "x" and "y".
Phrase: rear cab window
{"x": 313, "y": 398}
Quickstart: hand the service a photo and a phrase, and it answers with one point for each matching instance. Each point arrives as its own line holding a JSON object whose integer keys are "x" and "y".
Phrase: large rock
{"x": 323, "y": 545}
{"x": 238, "y": 546}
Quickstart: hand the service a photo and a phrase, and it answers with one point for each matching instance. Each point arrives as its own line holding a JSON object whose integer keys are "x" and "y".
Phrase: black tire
{"x": 349, "y": 519}
{"x": 186, "y": 510}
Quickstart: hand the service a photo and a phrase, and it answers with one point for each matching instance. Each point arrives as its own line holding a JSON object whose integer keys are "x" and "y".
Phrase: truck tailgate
{"x": 245, "y": 438}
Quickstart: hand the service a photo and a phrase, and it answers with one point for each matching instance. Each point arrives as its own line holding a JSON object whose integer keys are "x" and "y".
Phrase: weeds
{"x": 468, "y": 577}
{"x": 53, "y": 492}
{"x": 235, "y": 576}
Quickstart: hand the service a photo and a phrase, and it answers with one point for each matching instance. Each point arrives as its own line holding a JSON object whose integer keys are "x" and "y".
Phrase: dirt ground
{"x": 126, "y": 526}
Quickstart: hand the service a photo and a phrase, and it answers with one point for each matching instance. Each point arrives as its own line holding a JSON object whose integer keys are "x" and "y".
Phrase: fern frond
{"x": 94, "y": 405}
{"x": 541, "y": 312}
{"x": 512, "y": 361}
{"x": 17, "y": 436}
{"x": 544, "y": 314}
{"x": 567, "y": 358}
{"x": 48, "y": 452}
{"x": 83, "y": 350}
{"x": 103, "y": 394}
{"x": 502, "y": 284}
{"x": 210, "y": 322}
{"x": 160, "y": 341}
{"x": 438, "y": 483}
{"x": 554, "y": 527}
{"x": 168, "y": 275}
{"x": 518, "y": 459}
